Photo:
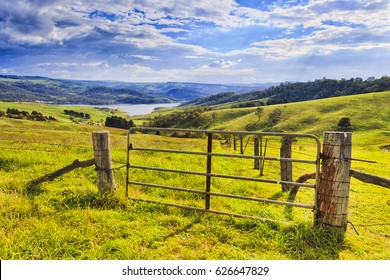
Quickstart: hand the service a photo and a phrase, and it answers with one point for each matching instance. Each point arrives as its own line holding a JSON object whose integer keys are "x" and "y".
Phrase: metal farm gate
{"x": 145, "y": 153}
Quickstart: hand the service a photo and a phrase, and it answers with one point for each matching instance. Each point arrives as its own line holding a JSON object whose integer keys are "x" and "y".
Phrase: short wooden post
{"x": 105, "y": 174}
{"x": 265, "y": 152}
{"x": 333, "y": 192}
{"x": 261, "y": 152}
{"x": 286, "y": 166}
{"x": 256, "y": 152}
{"x": 241, "y": 145}
{"x": 234, "y": 143}
{"x": 208, "y": 167}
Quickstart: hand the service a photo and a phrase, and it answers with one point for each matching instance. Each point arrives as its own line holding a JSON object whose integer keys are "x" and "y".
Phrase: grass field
{"x": 68, "y": 219}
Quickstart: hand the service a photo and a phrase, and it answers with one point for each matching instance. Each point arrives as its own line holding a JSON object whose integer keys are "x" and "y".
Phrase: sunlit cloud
{"x": 223, "y": 40}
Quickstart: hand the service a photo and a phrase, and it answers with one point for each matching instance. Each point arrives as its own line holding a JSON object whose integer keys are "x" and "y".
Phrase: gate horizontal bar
{"x": 264, "y": 200}
{"x": 223, "y": 176}
{"x": 208, "y": 210}
{"x": 226, "y": 132}
{"x": 271, "y": 201}
{"x": 224, "y": 155}
{"x": 165, "y": 187}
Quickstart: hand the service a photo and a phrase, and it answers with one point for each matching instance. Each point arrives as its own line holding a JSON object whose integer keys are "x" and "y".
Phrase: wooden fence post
{"x": 286, "y": 166}
{"x": 333, "y": 191}
{"x": 208, "y": 167}
{"x": 265, "y": 152}
{"x": 241, "y": 145}
{"x": 256, "y": 152}
{"x": 105, "y": 174}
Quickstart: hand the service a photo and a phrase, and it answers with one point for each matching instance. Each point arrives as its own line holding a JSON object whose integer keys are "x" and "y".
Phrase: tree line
{"x": 299, "y": 91}
{"x": 77, "y": 114}
{"x": 33, "y": 116}
{"x": 119, "y": 122}
{"x": 324, "y": 88}
{"x": 192, "y": 116}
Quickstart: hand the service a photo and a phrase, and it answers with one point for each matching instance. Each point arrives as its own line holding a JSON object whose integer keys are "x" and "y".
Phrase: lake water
{"x": 134, "y": 109}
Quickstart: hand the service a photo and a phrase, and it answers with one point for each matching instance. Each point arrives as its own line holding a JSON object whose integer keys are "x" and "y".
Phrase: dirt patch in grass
{"x": 386, "y": 148}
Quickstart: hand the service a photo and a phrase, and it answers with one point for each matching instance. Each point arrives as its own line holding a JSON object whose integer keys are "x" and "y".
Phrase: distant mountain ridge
{"x": 43, "y": 89}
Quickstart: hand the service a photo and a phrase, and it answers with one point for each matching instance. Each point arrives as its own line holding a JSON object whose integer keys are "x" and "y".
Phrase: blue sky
{"x": 219, "y": 41}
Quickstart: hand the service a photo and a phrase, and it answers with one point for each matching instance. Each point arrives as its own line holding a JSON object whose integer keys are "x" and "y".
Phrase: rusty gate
{"x": 230, "y": 139}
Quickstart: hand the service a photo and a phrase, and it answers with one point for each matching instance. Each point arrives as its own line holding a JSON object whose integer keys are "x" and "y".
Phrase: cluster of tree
{"x": 119, "y": 122}
{"x": 274, "y": 101}
{"x": 212, "y": 99}
{"x": 192, "y": 116}
{"x": 274, "y": 117}
{"x": 247, "y": 104}
{"x": 324, "y": 88}
{"x": 301, "y": 91}
{"x": 344, "y": 124}
{"x": 77, "y": 114}
{"x": 33, "y": 116}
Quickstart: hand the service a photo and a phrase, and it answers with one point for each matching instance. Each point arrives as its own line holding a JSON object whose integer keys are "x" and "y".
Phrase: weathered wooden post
{"x": 286, "y": 166}
{"x": 208, "y": 167}
{"x": 256, "y": 153}
{"x": 105, "y": 174}
{"x": 333, "y": 190}
{"x": 265, "y": 152}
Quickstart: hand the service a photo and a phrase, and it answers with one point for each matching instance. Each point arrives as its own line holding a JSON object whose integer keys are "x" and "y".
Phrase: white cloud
{"x": 173, "y": 30}
{"x": 143, "y": 57}
{"x": 67, "y": 64}
{"x": 322, "y": 42}
{"x": 193, "y": 56}
{"x": 139, "y": 39}
{"x": 222, "y": 64}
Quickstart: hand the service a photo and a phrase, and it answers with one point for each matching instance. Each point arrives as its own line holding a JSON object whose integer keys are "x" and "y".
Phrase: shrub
{"x": 118, "y": 122}
{"x": 274, "y": 117}
{"x": 344, "y": 124}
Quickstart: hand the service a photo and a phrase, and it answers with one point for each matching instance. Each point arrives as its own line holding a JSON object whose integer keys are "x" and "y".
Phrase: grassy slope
{"x": 370, "y": 118}
{"x": 367, "y": 112}
{"x": 67, "y": 219}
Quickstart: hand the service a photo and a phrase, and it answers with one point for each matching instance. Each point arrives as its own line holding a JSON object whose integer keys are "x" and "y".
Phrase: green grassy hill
{"x": 366, "y": 112}
{"x": 68, "y": 219}
{"x": 299, "y": 91}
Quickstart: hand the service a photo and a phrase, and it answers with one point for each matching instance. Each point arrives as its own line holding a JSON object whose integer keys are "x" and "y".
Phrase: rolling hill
{"x": 366, "y": 112}
{"x": 35, "y": 88}
{"x": 294, "y": 92}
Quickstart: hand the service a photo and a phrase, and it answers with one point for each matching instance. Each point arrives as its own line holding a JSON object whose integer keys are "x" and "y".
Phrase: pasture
{"x": 68, "y": 219}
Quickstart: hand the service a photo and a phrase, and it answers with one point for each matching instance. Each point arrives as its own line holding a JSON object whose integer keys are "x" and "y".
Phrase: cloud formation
{"x": 182, "y": 40}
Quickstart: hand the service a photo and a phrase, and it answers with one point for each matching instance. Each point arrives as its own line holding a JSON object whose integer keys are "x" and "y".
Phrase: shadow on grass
{"x": 298, "y": 241}
{"x": 84, "y": 200}
{"x": 305, "y": 242}
{"x": 184, "y": 229}
{"x": 276, "y": 196}
{"x": 253, "y": 126}
{"x": 288, "y": 210}
{"x": 34, "y": 190}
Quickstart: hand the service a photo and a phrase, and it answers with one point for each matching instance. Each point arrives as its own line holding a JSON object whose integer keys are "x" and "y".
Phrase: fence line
{"x": 369, "y": 178}
{"x": 331, "y": 183}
